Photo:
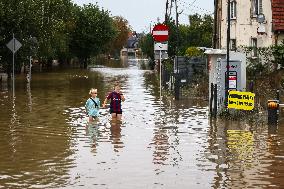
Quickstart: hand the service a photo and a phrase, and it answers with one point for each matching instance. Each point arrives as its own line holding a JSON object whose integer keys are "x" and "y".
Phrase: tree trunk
{"x": 85, "y": 63}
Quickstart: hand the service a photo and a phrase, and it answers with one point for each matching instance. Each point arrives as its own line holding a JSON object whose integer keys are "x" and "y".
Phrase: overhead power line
{"x": 191, "y": 6}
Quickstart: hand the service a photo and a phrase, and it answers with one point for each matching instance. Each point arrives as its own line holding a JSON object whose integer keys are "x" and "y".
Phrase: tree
{"x": 193, "y": 52}
{"x": 62, "y": 29}
{"x": 146, "y": 43}
{"x": 173, "y": 38}
{"x": 94, "y": 29}
{"x": 45, "y": 20}
{"x": 122, "y": 30}
{"x": 278, "y": 54}
{"x": 198, "y": 33}
{"x": 53, "y": 31}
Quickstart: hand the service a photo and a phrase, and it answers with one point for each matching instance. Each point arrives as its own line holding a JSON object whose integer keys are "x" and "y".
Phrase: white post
{"x": 30, "y": 70}
{"x": 160, "y": 77}
{"x": 13, "y": 78}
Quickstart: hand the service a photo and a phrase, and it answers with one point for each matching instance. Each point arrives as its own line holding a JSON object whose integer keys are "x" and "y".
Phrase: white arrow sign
{"x": 161, "y": 46}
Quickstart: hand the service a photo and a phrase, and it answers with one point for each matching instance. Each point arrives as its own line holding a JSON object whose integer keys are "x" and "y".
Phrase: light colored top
{"x": 92, "y": 108}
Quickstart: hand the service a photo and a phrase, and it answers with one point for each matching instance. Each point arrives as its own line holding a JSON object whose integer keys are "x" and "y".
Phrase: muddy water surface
{"x": 45, "y": 140}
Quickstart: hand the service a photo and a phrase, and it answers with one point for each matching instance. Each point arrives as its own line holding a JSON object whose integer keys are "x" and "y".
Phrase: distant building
{"x": 131, "y": 49}
{"x": 132, "y": 41}
{"x": 254, "y": 23}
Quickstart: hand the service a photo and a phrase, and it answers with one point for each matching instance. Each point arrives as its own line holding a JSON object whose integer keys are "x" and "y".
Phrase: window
{"x": 256, "y": 7}
{"x": 254, "y": 47}
{"x": 233, "y": 45}
{"x": 233, "y": 13}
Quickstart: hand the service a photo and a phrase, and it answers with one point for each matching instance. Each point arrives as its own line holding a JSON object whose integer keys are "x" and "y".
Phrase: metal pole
{"x": 30, "y": 71}
{"x": 215, "y": 24}
{"x": 167, "y": 7}
{"x": 160, "y": 77}
{"x": 215, "y": 101}
{"x": 211, "y": 98}
{"x": 228, "y": 53}
{"x": 13, "y": 79}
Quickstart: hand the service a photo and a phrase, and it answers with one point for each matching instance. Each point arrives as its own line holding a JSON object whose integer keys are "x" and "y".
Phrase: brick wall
{"x": 278, "y": 15}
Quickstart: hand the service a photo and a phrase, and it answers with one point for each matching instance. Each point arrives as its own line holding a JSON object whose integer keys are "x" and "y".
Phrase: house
{"x": 131, "y": 49}
{"x": 254, "y": 23}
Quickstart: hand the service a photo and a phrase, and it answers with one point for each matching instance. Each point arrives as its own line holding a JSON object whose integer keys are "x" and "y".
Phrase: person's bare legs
{"x": 119, "y": 117}
{"x": 113, "y": 116}
{"x": 91, "y": 119}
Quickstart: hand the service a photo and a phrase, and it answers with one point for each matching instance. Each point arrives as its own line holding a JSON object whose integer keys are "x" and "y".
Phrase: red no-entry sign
{"x": 160, "y": 33}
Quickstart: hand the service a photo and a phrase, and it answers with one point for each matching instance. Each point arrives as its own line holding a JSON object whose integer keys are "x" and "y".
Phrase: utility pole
{"x": 167, "y": 8}
{"x": 228, "y": 53}
{"x": 177, "y": 27}
{"x": 215, "y": 34}
{"x": 177, "y": 79}
{"x": 177, "y": 14}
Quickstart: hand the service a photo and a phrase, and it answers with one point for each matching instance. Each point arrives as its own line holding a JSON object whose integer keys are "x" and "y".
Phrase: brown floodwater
{"x": 46, "y": 142}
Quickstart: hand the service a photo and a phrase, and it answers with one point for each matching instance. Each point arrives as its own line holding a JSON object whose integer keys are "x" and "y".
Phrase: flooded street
{"x": 46, "y": 142}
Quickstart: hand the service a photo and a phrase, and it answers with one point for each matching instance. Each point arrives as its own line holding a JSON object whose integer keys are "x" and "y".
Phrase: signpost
{"x": 14, "y": 46}
{"x": 160, "y": 35}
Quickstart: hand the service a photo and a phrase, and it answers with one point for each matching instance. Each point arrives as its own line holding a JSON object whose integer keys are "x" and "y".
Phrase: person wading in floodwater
{"x": 115, "y": 98}
{"x": 93, "y": 105}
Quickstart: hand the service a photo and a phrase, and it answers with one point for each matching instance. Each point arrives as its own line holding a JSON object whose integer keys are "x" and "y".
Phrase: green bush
{"x": 193, "y": 52}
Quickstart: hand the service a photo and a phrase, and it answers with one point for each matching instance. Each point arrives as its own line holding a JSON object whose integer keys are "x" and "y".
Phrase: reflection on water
{"x": 46, "y": 141}
{"x": 92, "y": 132}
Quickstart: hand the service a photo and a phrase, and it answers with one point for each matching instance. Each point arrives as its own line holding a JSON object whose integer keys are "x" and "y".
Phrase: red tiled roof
{"x": 278, "y": 15}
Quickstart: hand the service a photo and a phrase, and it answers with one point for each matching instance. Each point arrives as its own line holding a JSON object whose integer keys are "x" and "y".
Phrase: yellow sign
{"x": 241, "y": 100}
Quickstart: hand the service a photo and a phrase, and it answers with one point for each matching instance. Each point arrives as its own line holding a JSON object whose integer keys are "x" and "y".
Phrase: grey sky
{"x": 140, "y": 13}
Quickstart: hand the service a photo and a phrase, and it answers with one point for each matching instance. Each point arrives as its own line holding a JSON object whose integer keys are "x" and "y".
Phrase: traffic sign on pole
{"x": 14, "y": 46}
{"x": 160, "y": 33}
{"x": 161, "y": 46}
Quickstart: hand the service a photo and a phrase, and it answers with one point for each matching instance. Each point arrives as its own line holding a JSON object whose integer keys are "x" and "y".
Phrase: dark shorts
{"x": 115, "y": 112}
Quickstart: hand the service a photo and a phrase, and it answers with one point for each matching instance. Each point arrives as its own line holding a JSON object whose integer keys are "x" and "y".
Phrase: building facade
{"x": 254, "y": 23}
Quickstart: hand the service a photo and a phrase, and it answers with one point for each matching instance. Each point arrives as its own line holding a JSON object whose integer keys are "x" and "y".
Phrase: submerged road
{"x": 46, "y": 142}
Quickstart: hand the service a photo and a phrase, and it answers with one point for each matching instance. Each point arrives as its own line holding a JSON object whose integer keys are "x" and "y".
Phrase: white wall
{"x": 244, "y": 27}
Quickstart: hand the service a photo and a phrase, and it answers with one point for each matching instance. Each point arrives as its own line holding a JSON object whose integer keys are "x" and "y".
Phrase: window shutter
{"x": 251, "y": 8}
{"x": 232, "y": 9}
{"x": 260, "y": 7}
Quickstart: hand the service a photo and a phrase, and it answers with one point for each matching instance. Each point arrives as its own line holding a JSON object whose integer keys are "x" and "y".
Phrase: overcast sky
{"x": 140, "y": 13}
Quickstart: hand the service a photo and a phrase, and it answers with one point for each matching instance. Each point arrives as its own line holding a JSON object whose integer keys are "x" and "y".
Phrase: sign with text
{"x": 241, "y": 100}
{"x": 232, "y": 82}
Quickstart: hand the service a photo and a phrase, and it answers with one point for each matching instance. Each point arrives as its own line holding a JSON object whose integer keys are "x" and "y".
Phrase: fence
{"x": 185, "y": 70}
